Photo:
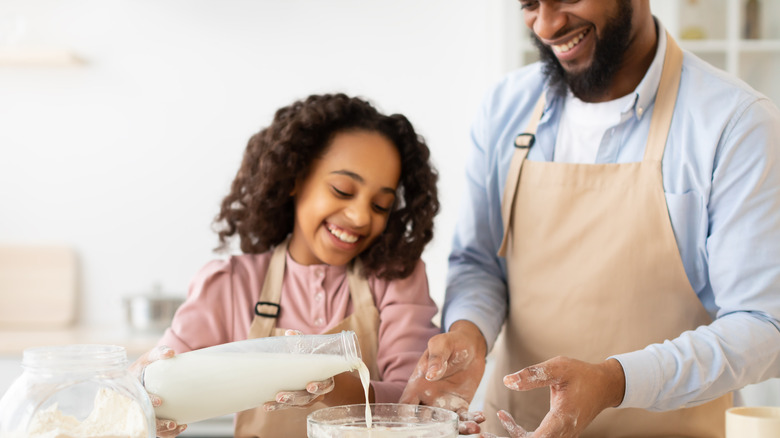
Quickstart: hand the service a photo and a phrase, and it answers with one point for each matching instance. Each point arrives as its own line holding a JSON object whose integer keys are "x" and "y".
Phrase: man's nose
{"x": 548, "y": 21}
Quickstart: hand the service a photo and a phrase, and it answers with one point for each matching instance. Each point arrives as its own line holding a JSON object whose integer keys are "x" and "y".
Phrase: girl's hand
{"x": 303, "y": 398}
{"x": 298, "y": 399}
{"x": 165, "y": 428}
{"x": 169, "y": 428}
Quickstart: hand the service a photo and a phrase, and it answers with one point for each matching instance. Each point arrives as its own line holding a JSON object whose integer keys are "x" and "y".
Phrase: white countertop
{"x": 13, "y": 341}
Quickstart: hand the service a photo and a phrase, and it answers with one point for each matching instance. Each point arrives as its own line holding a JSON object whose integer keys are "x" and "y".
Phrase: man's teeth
{"x": 343, "y": 235}
{"x": 563, "y": 48}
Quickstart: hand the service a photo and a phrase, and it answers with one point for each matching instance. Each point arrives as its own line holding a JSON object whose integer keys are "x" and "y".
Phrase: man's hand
{"x": 578, "y": 392}
{"x": 449, "y": 371}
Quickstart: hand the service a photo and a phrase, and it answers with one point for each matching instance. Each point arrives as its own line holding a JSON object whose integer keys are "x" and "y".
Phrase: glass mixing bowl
{"x": 388, "y": 420}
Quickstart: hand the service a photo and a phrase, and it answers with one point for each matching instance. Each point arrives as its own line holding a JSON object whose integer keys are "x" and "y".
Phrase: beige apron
{"x": 594, "y": 270}
{"x": 364, "y": 321}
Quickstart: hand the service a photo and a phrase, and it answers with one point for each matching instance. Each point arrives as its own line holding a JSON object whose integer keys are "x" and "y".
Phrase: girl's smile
{"x": 343, "y": 204}
{"x": 342, "y": 235}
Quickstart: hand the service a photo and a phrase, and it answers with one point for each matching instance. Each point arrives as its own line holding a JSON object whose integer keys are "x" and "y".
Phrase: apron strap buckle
{"x": 267, "y": 309}
{"x": 525, "y": 140}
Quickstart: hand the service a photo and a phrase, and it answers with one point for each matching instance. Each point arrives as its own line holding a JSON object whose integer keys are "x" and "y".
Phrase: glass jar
{"x": 76, "y": 391}
{"x": 241, "y": 375}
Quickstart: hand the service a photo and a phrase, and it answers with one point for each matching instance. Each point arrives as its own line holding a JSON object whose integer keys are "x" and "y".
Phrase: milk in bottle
{"x": 241, "y": 375}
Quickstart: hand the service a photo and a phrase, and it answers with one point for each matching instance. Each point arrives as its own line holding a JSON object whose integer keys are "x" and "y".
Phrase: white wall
{"x": 126, "y": 158}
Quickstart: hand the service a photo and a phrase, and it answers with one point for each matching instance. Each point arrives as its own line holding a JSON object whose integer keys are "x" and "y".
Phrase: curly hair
{"x": 260, "y": 210}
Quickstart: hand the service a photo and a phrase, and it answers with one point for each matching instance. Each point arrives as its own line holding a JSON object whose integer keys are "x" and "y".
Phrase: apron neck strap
{"x": 523, "y": 142}
{"x": 272, "y": 285}
{"x": 664, "y": 101}
{"x": 267, "y": 306}
{"x": 359, "y": 289}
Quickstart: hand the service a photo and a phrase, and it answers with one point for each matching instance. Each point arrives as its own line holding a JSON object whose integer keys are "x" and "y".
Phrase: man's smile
{"x": 568, "y": 45}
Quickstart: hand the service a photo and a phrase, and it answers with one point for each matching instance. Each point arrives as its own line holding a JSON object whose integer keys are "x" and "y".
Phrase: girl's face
{"x": 344, "y": 202}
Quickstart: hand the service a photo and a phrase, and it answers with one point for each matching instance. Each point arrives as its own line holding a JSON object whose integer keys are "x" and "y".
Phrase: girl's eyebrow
{"x": 359, "y": 179}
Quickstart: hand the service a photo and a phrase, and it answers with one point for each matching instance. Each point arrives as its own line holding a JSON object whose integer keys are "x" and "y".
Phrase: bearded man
{"x": 620, "y": 228}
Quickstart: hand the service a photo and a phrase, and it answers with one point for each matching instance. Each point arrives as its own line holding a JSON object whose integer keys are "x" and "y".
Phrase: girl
{"x": 337, "y": 201}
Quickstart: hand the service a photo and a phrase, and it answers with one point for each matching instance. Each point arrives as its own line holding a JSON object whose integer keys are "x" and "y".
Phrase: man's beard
{"x": 593, "y": 82}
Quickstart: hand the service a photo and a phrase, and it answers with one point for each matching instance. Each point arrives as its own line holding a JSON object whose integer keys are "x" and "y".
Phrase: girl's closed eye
{"x": 341, "y": 193}
{"x": 380, "y": 206}
{"x": 382, "y": 209}
{"x": 384, "y": 201}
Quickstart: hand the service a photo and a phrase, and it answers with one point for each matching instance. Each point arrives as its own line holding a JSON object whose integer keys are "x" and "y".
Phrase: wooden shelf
{"x": 705, "y": 45}
{"x": 721, "y": 46}
{"x": 38, "y": 57}
{"x": 13, "y": 341}
{"x": 758, "y": 46}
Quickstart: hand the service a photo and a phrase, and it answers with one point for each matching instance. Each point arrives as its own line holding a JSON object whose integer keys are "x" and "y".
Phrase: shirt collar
{"x": 318, "y": 271}
{"x": 647, "y": 89}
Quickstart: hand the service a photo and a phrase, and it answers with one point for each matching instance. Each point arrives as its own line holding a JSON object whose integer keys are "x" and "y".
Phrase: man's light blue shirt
{"x": 721, "y": 175}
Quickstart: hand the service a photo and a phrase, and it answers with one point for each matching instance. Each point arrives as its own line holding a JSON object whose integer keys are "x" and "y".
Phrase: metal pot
{"x": 151, "y": 312}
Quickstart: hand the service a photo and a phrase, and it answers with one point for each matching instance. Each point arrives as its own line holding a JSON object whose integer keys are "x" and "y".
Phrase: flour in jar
{"x": 113, "y": 416}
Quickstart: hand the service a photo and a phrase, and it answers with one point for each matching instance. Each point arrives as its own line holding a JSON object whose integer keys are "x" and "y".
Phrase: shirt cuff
{"x": 643, "y": 376}
{"x": 486, "y": 326}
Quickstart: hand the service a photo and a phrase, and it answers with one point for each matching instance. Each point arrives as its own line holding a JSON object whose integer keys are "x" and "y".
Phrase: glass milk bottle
{"x": 241, "y": 375}
{"x": 76, "y": 391}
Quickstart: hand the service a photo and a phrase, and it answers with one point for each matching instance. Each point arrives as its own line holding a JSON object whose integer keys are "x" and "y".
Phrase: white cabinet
{"x": 717, "y": 31}
{"x": 711, "y": 29}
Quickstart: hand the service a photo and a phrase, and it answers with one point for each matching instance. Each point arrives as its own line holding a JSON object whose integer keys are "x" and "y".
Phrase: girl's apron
{"x": 594, "y": 270}
{"x": 364, "y": 321}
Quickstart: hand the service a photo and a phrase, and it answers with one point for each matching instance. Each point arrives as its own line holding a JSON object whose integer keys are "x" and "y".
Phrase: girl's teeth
{"x": 563, "y": 48}
{"x": 343, "y": 236}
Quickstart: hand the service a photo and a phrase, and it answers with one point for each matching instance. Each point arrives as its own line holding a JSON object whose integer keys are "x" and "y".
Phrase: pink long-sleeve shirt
{"x": 220, "y": 307}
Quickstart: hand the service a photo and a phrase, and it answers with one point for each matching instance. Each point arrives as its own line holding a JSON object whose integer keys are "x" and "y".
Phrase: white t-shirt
{"x": 583, "y": 125}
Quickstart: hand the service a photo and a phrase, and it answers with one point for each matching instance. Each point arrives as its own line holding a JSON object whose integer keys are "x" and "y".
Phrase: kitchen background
{"x": 124, "y": 121}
